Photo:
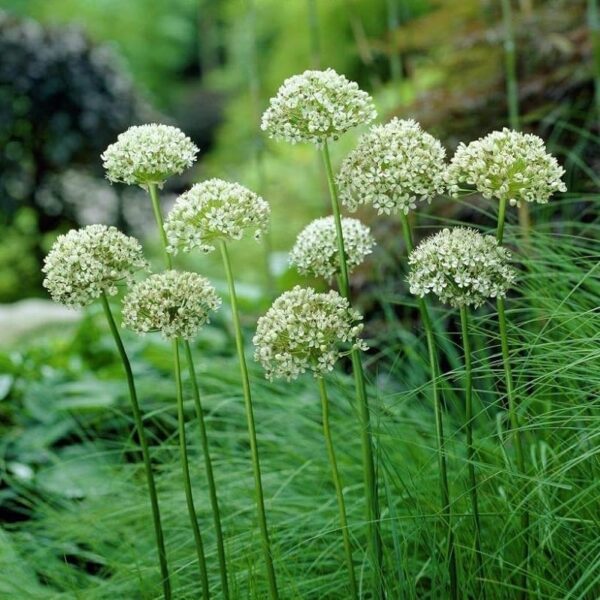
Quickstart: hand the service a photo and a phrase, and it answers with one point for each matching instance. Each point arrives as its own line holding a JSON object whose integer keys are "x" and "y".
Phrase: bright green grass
{"x": 554, "y": 325}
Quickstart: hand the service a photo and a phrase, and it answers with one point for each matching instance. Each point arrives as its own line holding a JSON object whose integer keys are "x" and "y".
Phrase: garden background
{"x": 73, "y": 510}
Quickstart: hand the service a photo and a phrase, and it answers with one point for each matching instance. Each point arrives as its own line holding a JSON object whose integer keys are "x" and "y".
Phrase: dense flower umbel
{"x": 214, "y": 210}
{"x": 316, "y": 252}
{"x": 148, "y": 154}
{"x": 507, "y": 165}
{"x": 175, "y": 303}
{"x": 392, "y": 167}
{"x": 85, "y": 263}
{"x": 461, "y": 267}
{"x": 316, "y": 106}
{"x": 305, "y": 330}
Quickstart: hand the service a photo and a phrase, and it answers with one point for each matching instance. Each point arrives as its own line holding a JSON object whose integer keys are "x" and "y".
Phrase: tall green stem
{"x": 187, "y": 484}
{"x": 139, "y": 425}
{"x": 260, "y": 501}
{"x": 370, "y": 479}
{"x": 212, "y": 488}
{"x": 464, "y": 322}
{"x": 338, "y": 487}
{"x": 439, "y": 425}
{"x": 513, "y": 415}
{"x": 594, "y": 27}
{"x": 512, "y": 93}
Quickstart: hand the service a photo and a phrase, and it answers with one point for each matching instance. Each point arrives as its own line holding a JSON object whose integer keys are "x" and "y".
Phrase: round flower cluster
{"x": 316, "y": 252}
{"x": 175, "y": 303}
{"x": 507, "y": 165}
{"x": 148, "y": 154}
{"x": 316, "y": 106}
{"x": 86, "y": 263}
{"x": 461, "y": 267}
{"x": 392, "y": 167}
{"x": 305, "y": 330}
{"x": 214, "y": 210}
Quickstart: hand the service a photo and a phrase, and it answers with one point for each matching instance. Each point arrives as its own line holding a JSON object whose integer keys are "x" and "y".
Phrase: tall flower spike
{"x": 85, "y": 263}
{"x": 174, "y": 303}
{"x": 507, "y": 165}
{"x": 305, "y": 330}
{"x": 214, "y": 210}
{"x": 392, "y": 167}
{"x": 148, "y": 155}
{"x": 316, "y": 253}
{"x": 316, "y": 106}
{"x": 461, "y": 267}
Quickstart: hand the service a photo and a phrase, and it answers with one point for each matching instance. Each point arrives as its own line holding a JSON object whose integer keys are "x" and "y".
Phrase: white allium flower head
{"x": 148, "y": 154}
{"x": 316, "y": 253}
{"x": 392, "y": 167}
{"x": 316, "y": 106}
{"x": 85, "y": 263}
{"x": 174, "y": 303}
{"x": 306, "y": 330}
{"x": 461, "y": 267}
{"x": 507, "y": 165}
{"x": 214, "y": 210}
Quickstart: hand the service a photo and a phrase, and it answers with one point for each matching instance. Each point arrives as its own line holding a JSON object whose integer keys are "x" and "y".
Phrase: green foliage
{"x": 84, "y": 486}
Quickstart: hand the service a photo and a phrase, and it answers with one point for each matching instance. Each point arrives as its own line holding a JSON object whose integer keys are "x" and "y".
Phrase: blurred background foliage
{"x": 75, "y": 73}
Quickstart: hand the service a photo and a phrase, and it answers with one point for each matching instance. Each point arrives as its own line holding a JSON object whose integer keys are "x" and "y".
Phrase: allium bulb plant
{"x": 464, "y": 269}
{"x": 217, "y": 212}
{"x": 393, "y": 167}
{"x": 88, "y": 264}
{"x": 148, "y": 155}
{"x": 306, "y": 331}
{"x": 461, "y": 267}
{"x": 174, "y": 303}
{"x": 212, "y": 211}
{"x": 315, "y": 107}
{"x": 309, "y": 331}
{"x": 507, "y": 165}
{"x": 315, "y": 252}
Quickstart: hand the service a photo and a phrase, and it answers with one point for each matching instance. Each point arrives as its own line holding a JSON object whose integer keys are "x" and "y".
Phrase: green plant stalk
{"x": 212, "y": 487}
{"x": 139, "y": 425}
{"x": 439, "y": 425}
{"x": 512, "y": 93}
{"x": 199, "y": 412}
{"x": 464, "y": 322}
{"x": 594, "y": 27}
{"x": 314, "y": 36}
{"x": 393, "y": 22}
{"x": 187, "y": 484}
{"x": 338, "y": 487}
{"x": 370, "y": 479}
{"x": 512, "y": 411}
{"x": 260, "y": 501}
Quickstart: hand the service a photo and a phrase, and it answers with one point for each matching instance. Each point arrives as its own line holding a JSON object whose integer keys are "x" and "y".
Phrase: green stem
{"x": 464, "y": 322}
{"x": 212, "y": 488}
{"x": 313, "y": 30}
{"x": 338, "y": 487}
{"x": 513, "y": 415}
{"x": 260, "y": 501}
{"x": 370, "y": 478}
{"x": 439, "y": 425}
{"x": 187, "y": 483}
{"x": 594, "y": 27}
{"x": 139, "y": 425}
{"x": 152, "y": 188}
{"x": 198, "y": 406}
{"x": 510, "y": 66}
